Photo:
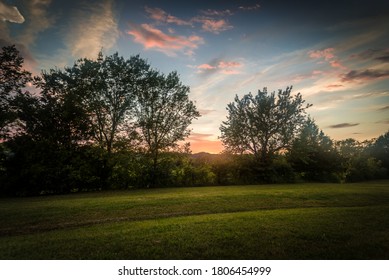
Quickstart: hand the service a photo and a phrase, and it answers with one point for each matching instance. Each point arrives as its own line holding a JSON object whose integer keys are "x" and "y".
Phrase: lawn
{"x": 299, "y": 221}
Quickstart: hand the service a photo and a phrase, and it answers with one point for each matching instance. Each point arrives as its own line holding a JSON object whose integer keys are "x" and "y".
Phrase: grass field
{"x": 301, "y": 221}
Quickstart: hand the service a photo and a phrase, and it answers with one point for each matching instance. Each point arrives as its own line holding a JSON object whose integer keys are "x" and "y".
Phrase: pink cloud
{"x": 153, "y": 38}
{"x": 229, "y": 64}
{"x": 160, "y": 15}
{"x": 327, "y": 54}
{"x": 337, "y": 64}
{"x": 206, "y": 66}
{"x": 225, "y": 67}
{"x": 334, "y": 86}
{"x": 214, "y": 26}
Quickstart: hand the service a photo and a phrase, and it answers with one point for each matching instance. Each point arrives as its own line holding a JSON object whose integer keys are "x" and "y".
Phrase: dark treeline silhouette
{"x": 115, "y": 123}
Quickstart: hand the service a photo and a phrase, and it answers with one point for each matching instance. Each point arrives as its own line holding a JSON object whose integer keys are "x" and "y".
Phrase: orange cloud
{"x": 153, "y": 38}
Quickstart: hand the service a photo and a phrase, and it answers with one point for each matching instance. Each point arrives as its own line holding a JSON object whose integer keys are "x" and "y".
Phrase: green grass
{"x": 302, "y": 221}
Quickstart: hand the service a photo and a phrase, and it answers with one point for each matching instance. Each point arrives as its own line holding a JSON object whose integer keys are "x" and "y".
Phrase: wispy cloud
{"x": 162, "y": 16}
{"x": 153, "y": 38}
{"x": 219, "y": 13}
{"x": 10, "y": 13}
{"x": 384, "y": 108}
{"x": 92, "y": 28}
{"x": 250, "y": 8}
{"x": 206, "y": 66}
{"x": 386, "y": 121}
{"x": 38, "y": 20}
{"x": 343, "y": 125}
{"x": 381, "y": 55}
{"x": 213, "y": 25}
{"x": 328, "y": 55}
{"x": 204, "y": 112}
{"x": 222, "y": 66}
{"x": 364, "y": 75}
{"x": 334, "y": 86}
{"x": 208, "y": 21}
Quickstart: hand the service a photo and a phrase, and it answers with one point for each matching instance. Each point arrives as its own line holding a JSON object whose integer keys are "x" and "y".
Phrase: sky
{"x": 335, "y": 53}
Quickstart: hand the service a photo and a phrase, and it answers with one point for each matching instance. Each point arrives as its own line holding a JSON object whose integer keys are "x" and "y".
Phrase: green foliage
{"x": 380, "y": 150}
{"x": 313, "y": 155}
{"x": 263, "y": 124}
{"x": 13, "y": 79}
{"x": 163, "y": 113}
{"x": 358, "y": 163}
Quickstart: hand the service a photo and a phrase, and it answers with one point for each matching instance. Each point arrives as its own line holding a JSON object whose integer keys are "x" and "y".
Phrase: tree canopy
{"x": 263, "y": 124}
{"x": 13, "y": 80}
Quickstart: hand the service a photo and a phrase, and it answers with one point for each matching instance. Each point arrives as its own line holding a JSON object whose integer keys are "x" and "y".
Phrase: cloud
{"x": 250, "y": 8}
{"x": 153, "y": 38}
{"x": 364, "y": 75}
{"x": 38, "y": 20}
{"x": 219, "y": 13}
{"x": 334, "y": 86}
{"x": 206, "y": 66}
{"x": 92, "y": 28}
{"x": 343, "y": 125}
{"x": 381, "y": 55}
{"x": 208, "y": 22}
{"x": 384, "y": 108}
{"x": 383, "y": 121}
{"x": 204, "y": 112}
{"x": 327, "y": 55}
{"x": 200, "y": 136}
{"x": 229, "y": 64}
{"x": 161, "y": 16}
{"x": 212, "y": 25}
{"x": 225, "y": 67}
{"x": 10, "y": 13}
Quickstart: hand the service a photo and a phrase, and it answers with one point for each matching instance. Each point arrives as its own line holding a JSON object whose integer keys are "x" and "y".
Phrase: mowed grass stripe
{"x": 314, "y": 233}
{"x": 39, "y": 214}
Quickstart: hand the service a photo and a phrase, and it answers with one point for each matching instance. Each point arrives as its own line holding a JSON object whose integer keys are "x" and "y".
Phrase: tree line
{"x": 116, "y": 123}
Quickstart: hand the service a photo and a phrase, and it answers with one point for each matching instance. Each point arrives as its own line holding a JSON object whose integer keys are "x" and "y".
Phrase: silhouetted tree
{"x": 163, "y": 114}
{"x": 105, "y": 90}
{"x": 313, "y": 155}
{"x": 13, "y": 79}
{"x": 263, "y": 124}
{"x": 357, "y": 162}
{"x": 380, "y": 150}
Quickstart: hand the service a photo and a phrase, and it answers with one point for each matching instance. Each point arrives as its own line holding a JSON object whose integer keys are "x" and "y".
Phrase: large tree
{"x": 13, "y": 79}
{"x": 102, "y": 92}
{"x": 263, "y": 124}
{"x": 163, "y": 113}
{"x": 313, "y": 155}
